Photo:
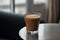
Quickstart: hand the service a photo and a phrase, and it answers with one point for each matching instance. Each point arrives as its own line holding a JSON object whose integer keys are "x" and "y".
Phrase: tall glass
{"x": 32, "y": 21}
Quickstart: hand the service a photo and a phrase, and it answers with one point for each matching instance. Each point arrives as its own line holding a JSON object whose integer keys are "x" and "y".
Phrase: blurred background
{"x": 48, "y": 8}
{"x": 20, "y": 5}
{"x": 23, "y": 6}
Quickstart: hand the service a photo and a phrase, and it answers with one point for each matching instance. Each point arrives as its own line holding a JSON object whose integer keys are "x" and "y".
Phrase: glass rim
{"x": 37, "y": 13}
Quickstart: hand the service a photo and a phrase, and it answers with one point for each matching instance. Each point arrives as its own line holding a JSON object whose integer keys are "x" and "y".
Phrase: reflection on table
{"x": 29, "y": 36}
{"x": 45, "y": 32}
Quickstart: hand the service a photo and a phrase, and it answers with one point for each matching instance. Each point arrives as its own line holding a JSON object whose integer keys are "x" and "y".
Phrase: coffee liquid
{"x": 32, "y": 21}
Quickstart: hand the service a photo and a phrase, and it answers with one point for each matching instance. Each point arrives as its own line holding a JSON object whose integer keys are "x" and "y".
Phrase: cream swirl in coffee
{"x": 32, "y": 16}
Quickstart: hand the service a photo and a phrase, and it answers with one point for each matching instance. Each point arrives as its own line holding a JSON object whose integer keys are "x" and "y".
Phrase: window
{"x": 20, "y": 1}
{"x": 16, "y": 6}
{"x": 39, "y": 1}
{"x": 5, "y": 5}
{"x": 20, "y": 6}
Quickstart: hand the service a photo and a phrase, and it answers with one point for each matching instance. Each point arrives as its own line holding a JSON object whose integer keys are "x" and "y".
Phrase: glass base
{"x": 32, "y": 32}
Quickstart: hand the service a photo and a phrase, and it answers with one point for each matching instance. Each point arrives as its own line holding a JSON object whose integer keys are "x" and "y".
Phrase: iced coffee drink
{"x": 32, "y": 22}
